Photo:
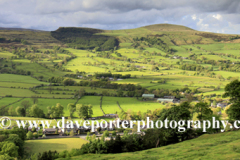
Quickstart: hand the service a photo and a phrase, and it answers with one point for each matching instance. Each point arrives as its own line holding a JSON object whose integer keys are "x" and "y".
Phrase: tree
{"x": 84, "y": 111}
{"x": 214, "y": 103}
{"x": 134, "y": 130}
{"x": 71, "y": 134}
{"x": 35, "y": 111}
{"x": 106, "y": 133}
{"x": 114, "y": 134}
{"x": 35, "y": 135}
{"x": 6, "y": 157}
{"x": 68, "y": 82}
{"x": 34, "y": 99}
{"x": 55, "y": 111}
{"x": 88, "y": 136}
{"x": 99, "y": 129}
{"x": 50, "y": 88}
{"x": 25, "y": 105}
{"x": 232, "y": 90}
{"x": 189, "y": 97}
{"x": 72, "y": 108}
{"x": 20, "y": 111}
{"x": 8, "y": 148}
{"x": 11, "y": 111}
{"x": 18, "y": 142}
{"x": 80, "y": 93}
{"x": 203, "y": 110}
{"x": 29, "y": 135}
{"x": 177, "y": 113}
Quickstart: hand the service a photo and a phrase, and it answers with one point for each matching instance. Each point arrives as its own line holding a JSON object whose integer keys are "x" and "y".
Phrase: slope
{"x": 215, "y": 146}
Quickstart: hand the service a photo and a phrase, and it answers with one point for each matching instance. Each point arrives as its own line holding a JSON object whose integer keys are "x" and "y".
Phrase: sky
{"x": 221, "y": 16}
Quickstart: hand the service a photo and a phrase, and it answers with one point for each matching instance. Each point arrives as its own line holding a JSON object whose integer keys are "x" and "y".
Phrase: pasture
{"x": 57, "y": 144}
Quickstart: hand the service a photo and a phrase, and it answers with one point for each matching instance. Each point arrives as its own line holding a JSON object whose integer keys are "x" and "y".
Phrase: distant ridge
{"x": 20, "y": 29}
{"x": 154, "y": 27}
{"x": 167, "y": 27}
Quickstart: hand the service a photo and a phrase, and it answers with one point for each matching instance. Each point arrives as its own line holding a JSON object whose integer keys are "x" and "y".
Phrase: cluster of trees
{"x": 26, "y": 109}
{"x": 230, "y": 67}
{"x": 55, "y": 79}
{"x": 84, "y": 38}
{"x": 118, "y": 54}
{"x": 129, "y": 90}
{"x": 152, "y": 42}
{"x": 192, "y": 67}
{"x": 12, "y": 143}
{"x": 11, "y": 69}
{"x": 99, "y": 75}
{"x": 83, "y": 111}
{"x": 233, "y": 90}
{"x": 235, "y": 37}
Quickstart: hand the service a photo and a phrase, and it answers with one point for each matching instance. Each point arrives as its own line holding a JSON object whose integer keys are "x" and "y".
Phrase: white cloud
{"x": 221, "y": 15}
{"x": 217, "y": 16}
{"x": 194, "y": 17}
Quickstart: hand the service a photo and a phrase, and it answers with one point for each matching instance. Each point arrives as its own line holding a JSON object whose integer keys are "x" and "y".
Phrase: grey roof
{"x": 165, "y": 99}
{"x": 148, "y": 95}
{"x": 49, "y": 129}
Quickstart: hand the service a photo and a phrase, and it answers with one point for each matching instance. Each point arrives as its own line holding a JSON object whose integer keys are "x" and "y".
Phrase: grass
{"x": 215, "y": 146}
{"x": 5, "y": 54}
{"x": 19, "y": 79}
{"x": 44, "y": 103}
{"x": 16, "y": 92}
{"x": 129, "y": 104}
{"x": 6, "y": 101}
{"x": 61, "y": 144}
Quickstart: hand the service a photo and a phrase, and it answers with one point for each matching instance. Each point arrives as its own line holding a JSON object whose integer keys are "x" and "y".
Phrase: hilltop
{"x": 167, "y": 27}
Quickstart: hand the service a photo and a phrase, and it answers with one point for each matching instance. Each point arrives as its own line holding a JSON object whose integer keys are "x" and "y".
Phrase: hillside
{"x": 215, "y": 146}
{"x": 88, "y": 38}
{"x": 108, "y": 71}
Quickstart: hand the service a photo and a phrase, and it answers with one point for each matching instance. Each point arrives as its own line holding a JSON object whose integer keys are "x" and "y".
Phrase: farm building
{"x": 165, "y": 100}
{"x": 48, "y": 131}
{"x": 170, "y": 97}
{"x": 172, "y": 100}
{"x": 148, "y": 96}
{"x": 111, "y": 115}
{"x": 222, "y": 105}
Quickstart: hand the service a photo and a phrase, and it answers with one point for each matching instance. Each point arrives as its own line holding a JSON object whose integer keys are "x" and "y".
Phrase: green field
{"x": 44, "y": 103}
{"x": 18, "y": 79}
{"x": 42, "y": 145}
{"x": 6, "y": 101}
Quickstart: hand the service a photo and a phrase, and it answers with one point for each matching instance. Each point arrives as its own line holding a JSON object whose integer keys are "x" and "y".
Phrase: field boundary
{"x": 15, "y": 102}
{"x": 119, "y": 106}
{"x": 4, "y": 107}
{"x": 101, "y": 105}
{"x": 76, "y": 101}
{"x": 37, "y": 97}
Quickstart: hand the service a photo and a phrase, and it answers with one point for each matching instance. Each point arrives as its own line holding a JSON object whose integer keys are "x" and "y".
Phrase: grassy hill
{"x": 215, "y": 146}
{"x": 88, "y": 37}
{"x": 154, "y": 55}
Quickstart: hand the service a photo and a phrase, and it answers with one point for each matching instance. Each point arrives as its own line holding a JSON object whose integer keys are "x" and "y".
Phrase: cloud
{"x": 109, "y": 14}
{"x": 217, "y": 16}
